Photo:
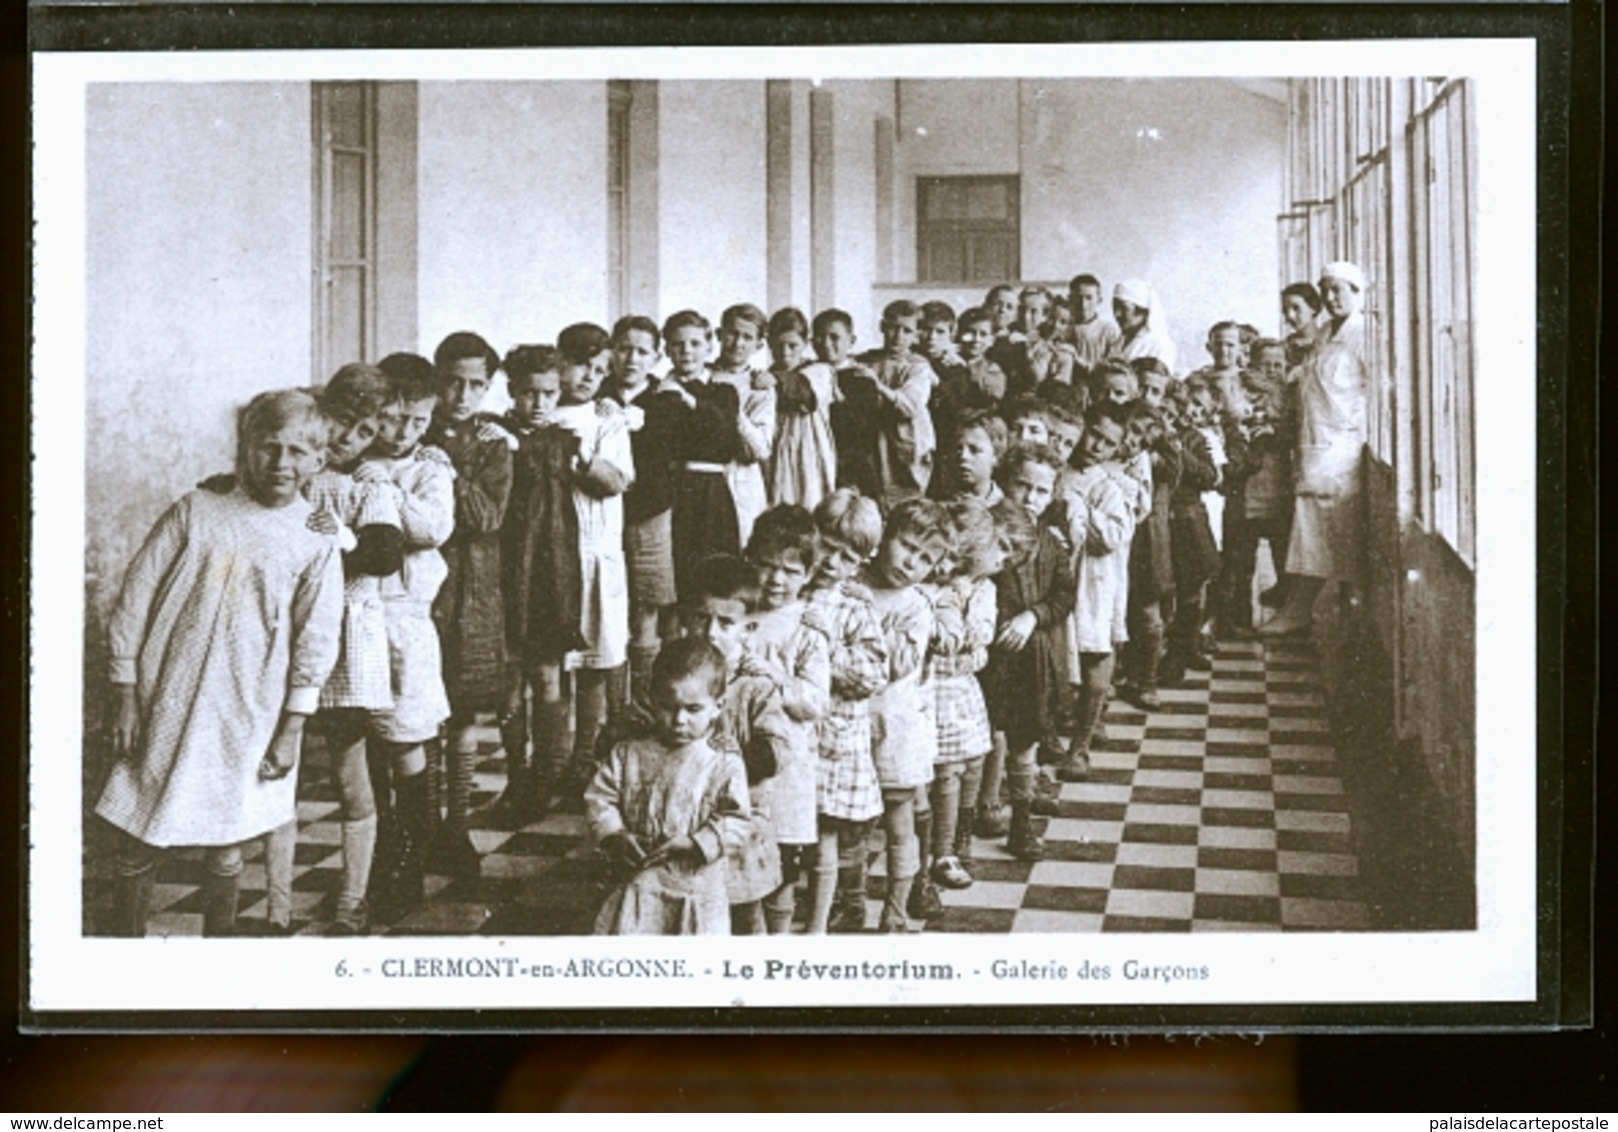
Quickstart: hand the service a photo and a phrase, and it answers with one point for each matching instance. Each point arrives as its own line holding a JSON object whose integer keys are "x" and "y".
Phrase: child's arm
{"x": 611, "y": 468}
{"x": 1057, "y": 602}
{"x": 727, "y": 826}
{"x": 910, "y": 397}
{"x": 482, "y": 490}
{"x": 1197, "y": 469}
{"x": 1109, "y": 523}
{"x": 126, "y": 625}
{"x": 603, "y": 817}
{"x": 317, "y": 619}
{"x": 909, "y": 629}
{"x": 859, "y": 654}
{"x": 426, "y": 503}
{"x": 755, "y": 425}
{"x": 805, "y": 680}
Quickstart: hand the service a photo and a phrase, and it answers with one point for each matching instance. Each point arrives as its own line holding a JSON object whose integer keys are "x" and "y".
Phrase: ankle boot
{"x": 848, "y": 906}
{"x": 132, "y": 904}
{"x": 893, "y": 908}
{"x": 1023, "y": 842}
{"x": 518, "y": 802}
{"x": 403, "y": 885}
{"x": 219, "y": 905}
{"x": 924, "y": 902}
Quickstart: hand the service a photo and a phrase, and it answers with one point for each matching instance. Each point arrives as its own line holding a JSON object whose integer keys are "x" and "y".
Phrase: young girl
{"x": 226, "y": 627}
{"x": 803, "y": 468}
{"x": 534, "y": 383}
{"x": 1029, "y": 671}
{"x": 978, "y": 440}
{"x": 904, "y": 738}
{"x": 848, "y": 797}
{"x": 753, "y": 722}
{"x": 903, "y": 387}
{"x": 741, "y": 332}
{"x": 795, "y": 656}
{"x": 705, "y": 518}
{"x": 963, "y": 629}
{"x": 422, "y": 476}
{"x": 469, "y": 610}
{"x": 666, "y": 808}
{"x": 649, "y": 502}
{"x": 579, "y": 621}
{"x": 1099, "y": 523}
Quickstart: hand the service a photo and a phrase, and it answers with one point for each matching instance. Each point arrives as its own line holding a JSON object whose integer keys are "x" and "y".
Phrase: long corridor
{"x": 1226, "y": 810}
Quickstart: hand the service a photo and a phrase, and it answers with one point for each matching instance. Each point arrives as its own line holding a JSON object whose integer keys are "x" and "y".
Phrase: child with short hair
{"x": 534, "y": 384}
{"x": 963, "y": 628}
{"x": 667, "y": 807}
{"x": 937, "y": 342}
{"x": 425, "y": 481}
{"x": 602, "y": 470}
{"x": 649, "y": 501}
{"x": 1224, "y": 373}
{"x": 753, "y": 722}
{"x": 903, "y": 385}
{"x": 1258, "y": 480}
{"x": 1099, "y": 523}
{"x": 803, "y": 468}
{"x": 848, "y": 797}
{"x": 794, "y": 654}
{"x": 1151, "y": 561}
{"x": 1028, "y": 421}
{"x": 1050, "y": 354}
{"x": 1028, "y": 673}
{"x": 1195, "y": 553}
{"x": 975, "y": 383}
{"x": 854, "y": 404}
{"x": 741, "y": 332}
{"x": 904, "y": 737}
{"x": 469, "y": 610}
{"x": 1002, "y": 304}
{"x": 1095, "y": 337}
{"x": 974, "y": 447}
{"x": 706, "y": 516}
{"x": 213, "y": 682}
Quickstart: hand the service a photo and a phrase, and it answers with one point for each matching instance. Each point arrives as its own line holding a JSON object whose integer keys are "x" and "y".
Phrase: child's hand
{"x": 752, "y": 664}
{"x": 679, "y": 851}
{"x": 125, "y": 721}
{"x": 489, "y": 431}
{"x": 323, "y": 521}
{"x": 763, "y": 381}
{"x": 282, "y": 757}
{"x": 624, "y": 848}
{"x": 432, "y": 454}
{"x": 372, "y": 471}
{"x": 1015, "y": 633}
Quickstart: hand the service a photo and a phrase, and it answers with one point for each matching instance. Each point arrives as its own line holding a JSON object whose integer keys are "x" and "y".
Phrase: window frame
{"x": 931, "y": 232}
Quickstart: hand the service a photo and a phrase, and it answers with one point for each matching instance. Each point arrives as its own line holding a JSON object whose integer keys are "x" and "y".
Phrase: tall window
{"x": 967, "y": 229}
{"x": 618, "y": 102}
{"x": 345, "y": 264}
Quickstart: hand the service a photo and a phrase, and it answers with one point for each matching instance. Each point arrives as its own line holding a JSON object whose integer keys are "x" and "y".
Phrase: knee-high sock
{"x": 359, "y": 846}
{"x": 279, "y": 848}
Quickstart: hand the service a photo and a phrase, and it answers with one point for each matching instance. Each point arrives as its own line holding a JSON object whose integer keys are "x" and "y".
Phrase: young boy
{"x": 1095, "y": 336}
{"x": 903, "y": 737}
{"x": 974, "y": 383}
{"x": 904, "y": 387}
{"x": 1029, "y": 676}
{"x": 938, "y": 337}
{"x": 469, "y": 611}
{"x": 848, "y": 797}
{"x": 1099, "y": 524}
{"x": 1258, "y": 479}
{"x": 753, "y": 722}
{"x": 855, "y": 403}
{"x": 425, "y": 480}
{"x": 533, "y": 380}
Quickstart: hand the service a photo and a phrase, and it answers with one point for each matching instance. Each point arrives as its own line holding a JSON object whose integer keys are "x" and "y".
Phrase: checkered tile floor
{"x": 1225, "y": 810}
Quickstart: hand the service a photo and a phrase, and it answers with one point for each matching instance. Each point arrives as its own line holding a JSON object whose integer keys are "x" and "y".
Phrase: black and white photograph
{"x": 984, "y": 525}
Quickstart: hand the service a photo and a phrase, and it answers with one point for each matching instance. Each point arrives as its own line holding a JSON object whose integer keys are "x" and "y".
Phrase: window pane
{"x": 944, "y": 260}
{"x": 348, "y": 206}
{"x": 345, "y": 114}
{"x": 945, "y": 200}
{"x": 345, "y": 324}
{"x": 988, "y": 200}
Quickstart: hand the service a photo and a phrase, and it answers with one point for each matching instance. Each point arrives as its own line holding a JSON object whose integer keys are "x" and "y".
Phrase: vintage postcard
{"x": 448, "y": 603}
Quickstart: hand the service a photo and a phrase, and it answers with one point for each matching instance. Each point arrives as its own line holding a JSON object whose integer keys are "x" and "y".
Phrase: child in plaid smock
{"x": 847, "y": 796}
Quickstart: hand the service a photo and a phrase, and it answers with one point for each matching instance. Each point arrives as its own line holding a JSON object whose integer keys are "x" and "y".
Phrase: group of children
{"x": 746, "y": 615}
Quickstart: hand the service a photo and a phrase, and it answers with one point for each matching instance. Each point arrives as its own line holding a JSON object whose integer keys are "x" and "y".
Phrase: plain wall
{"x": 1175, "y": 181}
{"x": 512, "y": 228}
{"x": 197, "y": 292}
{"x": 711, "y": 183}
